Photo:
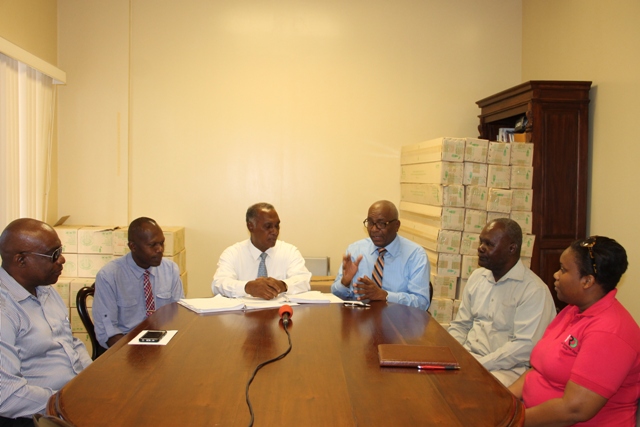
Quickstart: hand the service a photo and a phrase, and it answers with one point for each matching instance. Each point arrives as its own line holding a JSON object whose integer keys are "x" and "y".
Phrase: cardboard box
{"x": 492, "y": 216}
{"x": 456, "y": 307}
{"x": 70, "y": 266}
{"x": 522, "y": 177}
{"x": 174, "y": 240}
{"x": 447, "y": 218}
{"x": 68, "y": 235}
{"x": 74, "y": 286}
{"x": 90, "y": 264}
{"x": 120, "y": 240}
{"x": 462, "y": 283}
{"x": 62, "y": 287}
{"x": 526, "y": 261}
{"x": 95, "y": 240}
{"x": 76, "y": 322}
{"x": 436, "y": 239}
{"x": 181, "y": 259}
{"x": 476, "y": 197}
{"x": 499, "y": 200}
{"x": 528, "y": 240}
{"x": 525, "y": 219}
{"x": 475, "y": 174}
{"x": 443, "y": 264}
{"x": 185, "y": 283}
{"x": 499, "y": 176}
{"x": 445, "y": 173}
{"x": 520, "y": 137}
{"x": 476, "y": 150}
{"x": 433, "y": 194}
{"x": 469, "y": 264}
{"x": 441, "y": 309}
{"x": 434, "y": 150}
{"x": 474, "y": 220}
{"x": 521, "y": 199}
{"x": 499, "y": 153}
{"x": 469, "y": 243}
{"x": 521, "y": 154}
{"x": 444, "y": 286}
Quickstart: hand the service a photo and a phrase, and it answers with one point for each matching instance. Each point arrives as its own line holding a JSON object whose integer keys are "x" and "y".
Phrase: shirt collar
{"x": 17, "y": 291}
{"x": 137, "y": 270}
{"x": 599, "y": 306}
{"x": 392, "y": 248}
{"x": 516, "y": 273}
{"x": 255, "y": 252}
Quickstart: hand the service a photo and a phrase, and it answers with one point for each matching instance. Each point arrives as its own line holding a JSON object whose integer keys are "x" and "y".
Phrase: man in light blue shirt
{"x": 405, "y": 270}
{"x": 38, "y": 353}
{"x": 119, "y": 303}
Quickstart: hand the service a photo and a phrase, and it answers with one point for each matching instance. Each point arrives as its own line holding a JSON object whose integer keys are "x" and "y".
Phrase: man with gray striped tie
{"x": 384, "y": 267}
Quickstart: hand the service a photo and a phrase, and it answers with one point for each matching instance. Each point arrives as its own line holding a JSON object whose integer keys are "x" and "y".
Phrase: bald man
{"x": 120, "y": 303}
{"x": 38, "y": 353}
{"x": 402, "y": 278}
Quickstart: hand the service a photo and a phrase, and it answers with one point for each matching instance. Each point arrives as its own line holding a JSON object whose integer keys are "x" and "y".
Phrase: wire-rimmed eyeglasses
{"x": 589, "y": 244}
{"x": 54, "y": 256}
{"x": 380, "y": 224}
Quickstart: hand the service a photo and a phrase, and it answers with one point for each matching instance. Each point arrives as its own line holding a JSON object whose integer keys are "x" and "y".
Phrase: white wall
{"x": 598, "y": 41}
{"x": 301, "y": 104}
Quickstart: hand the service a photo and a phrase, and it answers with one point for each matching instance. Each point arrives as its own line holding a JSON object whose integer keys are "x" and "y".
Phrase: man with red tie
{"x": 132, "y": 287}
{"x": 385, "y": 266}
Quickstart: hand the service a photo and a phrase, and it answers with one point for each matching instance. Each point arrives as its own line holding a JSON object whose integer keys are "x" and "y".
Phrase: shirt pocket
{"x": 503, "y": 318}
{"x": 126, "y": 302}
{"x": 163, "y": 297}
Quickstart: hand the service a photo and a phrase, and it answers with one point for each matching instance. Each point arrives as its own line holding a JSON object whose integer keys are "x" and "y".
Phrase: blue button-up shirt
{"x": 406, "y": 271}
{"x": 38, "y": 354}
{"x": 119, "y": 304}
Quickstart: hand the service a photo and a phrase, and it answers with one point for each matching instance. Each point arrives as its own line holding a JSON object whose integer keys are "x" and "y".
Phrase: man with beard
{"x": 261, "y": 266}
{"x": 38, "y": 353}
{"x": 505, "y": 307}
{"x": 384, "y": 267}
{"x": 132, "y": 287}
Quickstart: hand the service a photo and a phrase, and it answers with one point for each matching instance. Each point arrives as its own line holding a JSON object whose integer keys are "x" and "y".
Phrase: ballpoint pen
{"x": 447, "y": 368}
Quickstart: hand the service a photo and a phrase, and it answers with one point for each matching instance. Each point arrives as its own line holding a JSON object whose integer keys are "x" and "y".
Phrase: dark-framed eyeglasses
{"x": 380, "y": 224}
{"x": 54, "y": 256}
{"x": 589, "y": 244}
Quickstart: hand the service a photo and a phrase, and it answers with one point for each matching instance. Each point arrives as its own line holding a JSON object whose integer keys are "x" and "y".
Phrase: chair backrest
{"x": 40, "y": 420}
{"x": 83, "y": 311}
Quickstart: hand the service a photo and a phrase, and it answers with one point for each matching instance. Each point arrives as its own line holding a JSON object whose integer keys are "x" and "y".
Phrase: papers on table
{"x": 220, "y": 303}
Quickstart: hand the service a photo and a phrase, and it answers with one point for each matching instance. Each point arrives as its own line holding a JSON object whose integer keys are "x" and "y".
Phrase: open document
{"x": 220, "y": 303}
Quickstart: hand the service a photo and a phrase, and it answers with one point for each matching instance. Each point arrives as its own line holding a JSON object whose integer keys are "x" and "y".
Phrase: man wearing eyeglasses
{"x": 262, "y": 266}
{"x": 38, "y": 353}
{"x": 505, "y": 307}
{"x": 385, "y": 266}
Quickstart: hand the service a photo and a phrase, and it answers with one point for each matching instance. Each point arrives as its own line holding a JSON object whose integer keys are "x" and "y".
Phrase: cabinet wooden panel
{"x": 558, "y": 126}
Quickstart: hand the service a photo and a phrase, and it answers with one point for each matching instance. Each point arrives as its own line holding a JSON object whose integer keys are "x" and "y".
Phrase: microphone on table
{"x": 285, "y": 313}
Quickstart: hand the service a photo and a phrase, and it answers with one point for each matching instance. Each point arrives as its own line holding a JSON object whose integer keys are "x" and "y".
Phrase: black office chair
{"x": 81, "y": 304}
{"x": 430, "y": 291}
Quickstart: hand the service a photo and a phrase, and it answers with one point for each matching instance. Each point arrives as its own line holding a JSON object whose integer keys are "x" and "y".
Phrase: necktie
{"x": 148, "y": 294}
{"x": 379, "y": 267}
{"x": 262, "y": 268}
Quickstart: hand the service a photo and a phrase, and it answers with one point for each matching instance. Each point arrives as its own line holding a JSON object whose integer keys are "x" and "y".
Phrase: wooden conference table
{"x": 330, "y": 378}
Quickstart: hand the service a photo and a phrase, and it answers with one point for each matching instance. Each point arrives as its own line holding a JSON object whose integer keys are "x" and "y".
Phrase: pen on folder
{"x": 446, "y": 368}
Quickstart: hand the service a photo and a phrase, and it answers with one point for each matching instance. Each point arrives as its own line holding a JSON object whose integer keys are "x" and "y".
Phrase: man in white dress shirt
{"x": 261, "y": 266}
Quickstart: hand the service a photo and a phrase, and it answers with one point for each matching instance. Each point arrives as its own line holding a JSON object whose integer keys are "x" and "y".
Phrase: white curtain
{"x": 27, "y": 100}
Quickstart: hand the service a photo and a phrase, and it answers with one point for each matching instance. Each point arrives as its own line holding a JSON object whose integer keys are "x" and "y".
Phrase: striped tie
{"x": 262, "y": 268}
{"x": 379, "y": 267}
{"x": 148, "y": 294}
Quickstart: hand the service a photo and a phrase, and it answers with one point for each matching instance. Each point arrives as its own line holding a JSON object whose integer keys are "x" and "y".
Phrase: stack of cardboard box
{"x": 450, "y": 188}
{"x": 87, "y": 249}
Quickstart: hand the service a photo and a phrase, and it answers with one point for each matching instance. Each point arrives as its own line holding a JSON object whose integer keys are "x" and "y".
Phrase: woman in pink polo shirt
{"x": 586, "y": 368}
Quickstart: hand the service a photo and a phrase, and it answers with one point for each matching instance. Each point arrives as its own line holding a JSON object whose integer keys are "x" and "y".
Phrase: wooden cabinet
{"x": 558, "y": 126}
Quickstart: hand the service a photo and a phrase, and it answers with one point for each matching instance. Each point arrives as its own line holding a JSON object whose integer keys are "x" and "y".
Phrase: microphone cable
{"x": 275, "y": 359}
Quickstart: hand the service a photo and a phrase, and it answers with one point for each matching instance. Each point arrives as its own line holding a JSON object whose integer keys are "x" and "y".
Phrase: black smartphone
{"x": 153, "y": 336}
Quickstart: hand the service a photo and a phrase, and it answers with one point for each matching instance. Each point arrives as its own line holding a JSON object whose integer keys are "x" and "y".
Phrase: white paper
{"x": 163, "y": 341}
{"x": 314, "y": 297}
